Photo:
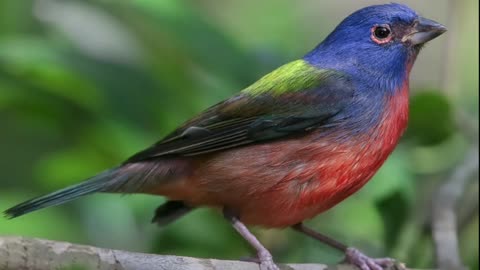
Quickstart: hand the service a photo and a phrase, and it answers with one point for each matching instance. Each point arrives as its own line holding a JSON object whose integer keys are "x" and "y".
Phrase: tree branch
{"x": 444, "y": 220}
{"x": 38, "y": 254}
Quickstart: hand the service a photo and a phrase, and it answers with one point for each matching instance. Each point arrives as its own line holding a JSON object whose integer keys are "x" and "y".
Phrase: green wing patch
{"x": 292, "y": 77}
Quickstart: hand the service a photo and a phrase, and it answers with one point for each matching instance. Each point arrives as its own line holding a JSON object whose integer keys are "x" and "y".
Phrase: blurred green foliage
{"x": 85, "y": 84}
{"x": 431, "y": 118}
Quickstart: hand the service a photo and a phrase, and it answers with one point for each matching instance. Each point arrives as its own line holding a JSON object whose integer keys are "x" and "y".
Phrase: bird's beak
{"x": 424, "y": 30}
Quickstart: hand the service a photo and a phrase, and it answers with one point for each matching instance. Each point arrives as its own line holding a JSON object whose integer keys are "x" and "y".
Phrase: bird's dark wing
{"x": 256, "y": 116}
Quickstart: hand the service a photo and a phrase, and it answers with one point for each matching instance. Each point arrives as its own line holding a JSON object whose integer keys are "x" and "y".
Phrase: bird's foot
{"x": 362, "y": 261}
{"x": 266, "y": 261}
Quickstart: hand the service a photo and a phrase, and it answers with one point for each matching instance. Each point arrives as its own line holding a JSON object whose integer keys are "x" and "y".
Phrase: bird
{"x": 290, "y": 146}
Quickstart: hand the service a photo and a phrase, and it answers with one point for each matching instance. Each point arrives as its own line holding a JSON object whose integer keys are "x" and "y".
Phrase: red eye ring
{"x": 381, "y": 34}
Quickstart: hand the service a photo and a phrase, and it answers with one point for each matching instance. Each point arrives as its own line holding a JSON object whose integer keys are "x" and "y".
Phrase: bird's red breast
{"x": 285, "y": 182}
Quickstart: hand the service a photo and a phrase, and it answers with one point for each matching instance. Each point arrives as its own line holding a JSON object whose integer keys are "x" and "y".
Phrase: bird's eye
{"x": 381, "y": 34}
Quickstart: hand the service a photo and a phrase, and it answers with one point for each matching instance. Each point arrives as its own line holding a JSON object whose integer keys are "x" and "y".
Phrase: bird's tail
{"x": 101, "y": 182}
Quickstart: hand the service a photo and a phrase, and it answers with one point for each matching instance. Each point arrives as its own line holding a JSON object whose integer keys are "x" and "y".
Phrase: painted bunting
{"x": 291, "y": 145}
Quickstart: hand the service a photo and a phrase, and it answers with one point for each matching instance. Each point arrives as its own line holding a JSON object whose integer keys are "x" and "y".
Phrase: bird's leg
{"x": 264, "y": 257}
{"x": 320, "y": 237}
{"x": 352, "y": 255}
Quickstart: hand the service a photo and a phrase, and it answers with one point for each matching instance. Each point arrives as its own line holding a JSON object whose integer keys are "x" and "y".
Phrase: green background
{"x": 85, "y": 84}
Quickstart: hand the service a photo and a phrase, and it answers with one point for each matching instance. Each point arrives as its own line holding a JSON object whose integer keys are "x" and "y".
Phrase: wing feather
{"x": 257, "y": 116}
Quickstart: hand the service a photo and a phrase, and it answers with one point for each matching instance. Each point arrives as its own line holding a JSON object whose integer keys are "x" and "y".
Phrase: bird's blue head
{"x": 377, "y": 43}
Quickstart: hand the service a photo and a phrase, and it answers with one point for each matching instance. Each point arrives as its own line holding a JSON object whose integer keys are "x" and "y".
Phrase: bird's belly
{"x": 282, "y": 183}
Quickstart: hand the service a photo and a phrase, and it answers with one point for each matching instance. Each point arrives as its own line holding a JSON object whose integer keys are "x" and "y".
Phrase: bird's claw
{"x": 266, "y": 261}
{"x": 362, "y": 261}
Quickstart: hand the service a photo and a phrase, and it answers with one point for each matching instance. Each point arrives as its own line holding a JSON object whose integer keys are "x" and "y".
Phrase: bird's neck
{"x": 385, "y": 74}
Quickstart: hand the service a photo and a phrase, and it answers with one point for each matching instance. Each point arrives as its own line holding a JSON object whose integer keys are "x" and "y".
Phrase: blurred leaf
{"x": 431, "y": 119}
{"x": 8, "y": 94}
{"x": 63, "y": 168}
{"x": 37, "y": 62}
{"x": 198, "y": 39}
{"x": 440, "y": 157}
{"x": 395, "y": 212}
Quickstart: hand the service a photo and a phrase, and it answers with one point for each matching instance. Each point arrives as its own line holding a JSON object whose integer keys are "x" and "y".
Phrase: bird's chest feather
{"x": 341, "y": 168}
